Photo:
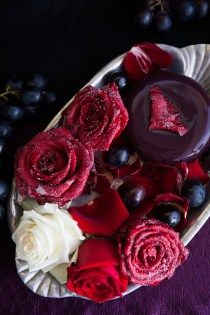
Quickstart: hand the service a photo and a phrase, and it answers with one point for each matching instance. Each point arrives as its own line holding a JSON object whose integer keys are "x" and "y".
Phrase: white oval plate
{"x": 192, "y": 61}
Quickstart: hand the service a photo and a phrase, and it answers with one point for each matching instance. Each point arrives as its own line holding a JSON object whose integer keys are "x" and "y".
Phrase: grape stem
{"x": 3, "y": 95}
{"x": 156, "y": 3}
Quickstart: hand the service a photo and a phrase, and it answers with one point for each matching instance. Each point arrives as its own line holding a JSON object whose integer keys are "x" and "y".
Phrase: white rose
{"x": 46, "y": 237}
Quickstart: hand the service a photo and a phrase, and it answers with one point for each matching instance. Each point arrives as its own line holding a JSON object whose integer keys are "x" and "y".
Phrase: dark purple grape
{"x": 163, "y": 21}
{"x": 168, "y": 214}
{"x": 2, "y": 145}
{"x": 14, "y": 113}
{"x": 4, "y": 190}
{"x": 119, "y": 78}
{"x": 131, "y": 194}
{"x": 186, "y": 10}
{"x": 195, "y": 192}
{"x": 37, "y": 81}
{"x": 144, "y": 18}
{"x": 31, "y": 97}
{"x": 202, "y": 9}
{"x": 118, "y": 155}
{"x": 5, "y": 130}
{"x": 14, "y": 84}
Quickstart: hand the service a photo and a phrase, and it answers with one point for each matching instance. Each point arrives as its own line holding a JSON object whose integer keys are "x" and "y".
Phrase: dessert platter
{"x": 106, "y": 199}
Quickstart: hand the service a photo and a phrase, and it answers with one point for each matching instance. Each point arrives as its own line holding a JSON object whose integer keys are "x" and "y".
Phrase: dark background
{"x": 69, "y": 41}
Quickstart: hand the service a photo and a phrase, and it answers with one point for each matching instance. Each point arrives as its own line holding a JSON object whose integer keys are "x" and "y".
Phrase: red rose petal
{"x": 88, "y": 255}
{"x": 137, "y": 63}
{"x": 195, "y": 172}
{"x": 144, "y": 209}
{"x": 103, "y": 216}
{"x": 182, "y": 167}
{"x": 165, "y": 115}
{"x": 160, "y": 58}
{"x": 127, "y": 170}
{"x": 168, "y": 178}
{"x": 143, "y": 58}
{"x": 102, "y": 184}
{"x": 137, "y": 180}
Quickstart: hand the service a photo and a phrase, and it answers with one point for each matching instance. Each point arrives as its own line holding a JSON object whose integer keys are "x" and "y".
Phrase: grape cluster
{"x": 161, "y": 13}
{"x": 20, "y": 98}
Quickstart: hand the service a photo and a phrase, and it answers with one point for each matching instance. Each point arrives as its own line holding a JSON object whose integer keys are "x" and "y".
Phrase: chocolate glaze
{"x": 165, "y": 146}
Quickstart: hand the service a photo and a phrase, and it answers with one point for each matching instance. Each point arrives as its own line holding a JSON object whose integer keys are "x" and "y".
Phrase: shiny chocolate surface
{"x": 166, "y": 146}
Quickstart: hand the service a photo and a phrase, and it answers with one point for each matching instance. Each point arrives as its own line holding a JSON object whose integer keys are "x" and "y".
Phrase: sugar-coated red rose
{"x": 96, "y": 274}
{"x": 143, "y": 58}
{"x": 53, "y": 167}
{"x": 96, "y": 116}
{"x": 150, "y": 251}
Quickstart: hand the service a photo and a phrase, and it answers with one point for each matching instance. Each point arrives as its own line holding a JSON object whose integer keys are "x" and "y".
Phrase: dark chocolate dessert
{"x": 169, "y": 118}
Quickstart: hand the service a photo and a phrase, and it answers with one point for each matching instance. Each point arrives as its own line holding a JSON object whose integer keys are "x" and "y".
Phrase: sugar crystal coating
{"x": 150, "y": 251}
{"x": 53, "y": 167}
{"x": 164, "y": 114}
{"x": 96, "y": 116}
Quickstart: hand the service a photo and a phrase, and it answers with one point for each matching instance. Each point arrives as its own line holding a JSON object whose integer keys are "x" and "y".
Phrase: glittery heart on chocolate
{"x": 164, "y": 114}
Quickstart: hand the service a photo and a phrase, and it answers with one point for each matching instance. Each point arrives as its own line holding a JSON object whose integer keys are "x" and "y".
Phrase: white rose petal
{"x": 46, "y": 237}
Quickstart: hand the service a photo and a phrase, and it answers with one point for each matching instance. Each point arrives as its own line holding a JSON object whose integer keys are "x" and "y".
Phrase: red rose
{"x": 53, "y": 167}
{"x": 96, "y": 116}
{"x": 150, "y": 251}
{"x": 96, "y": 274}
